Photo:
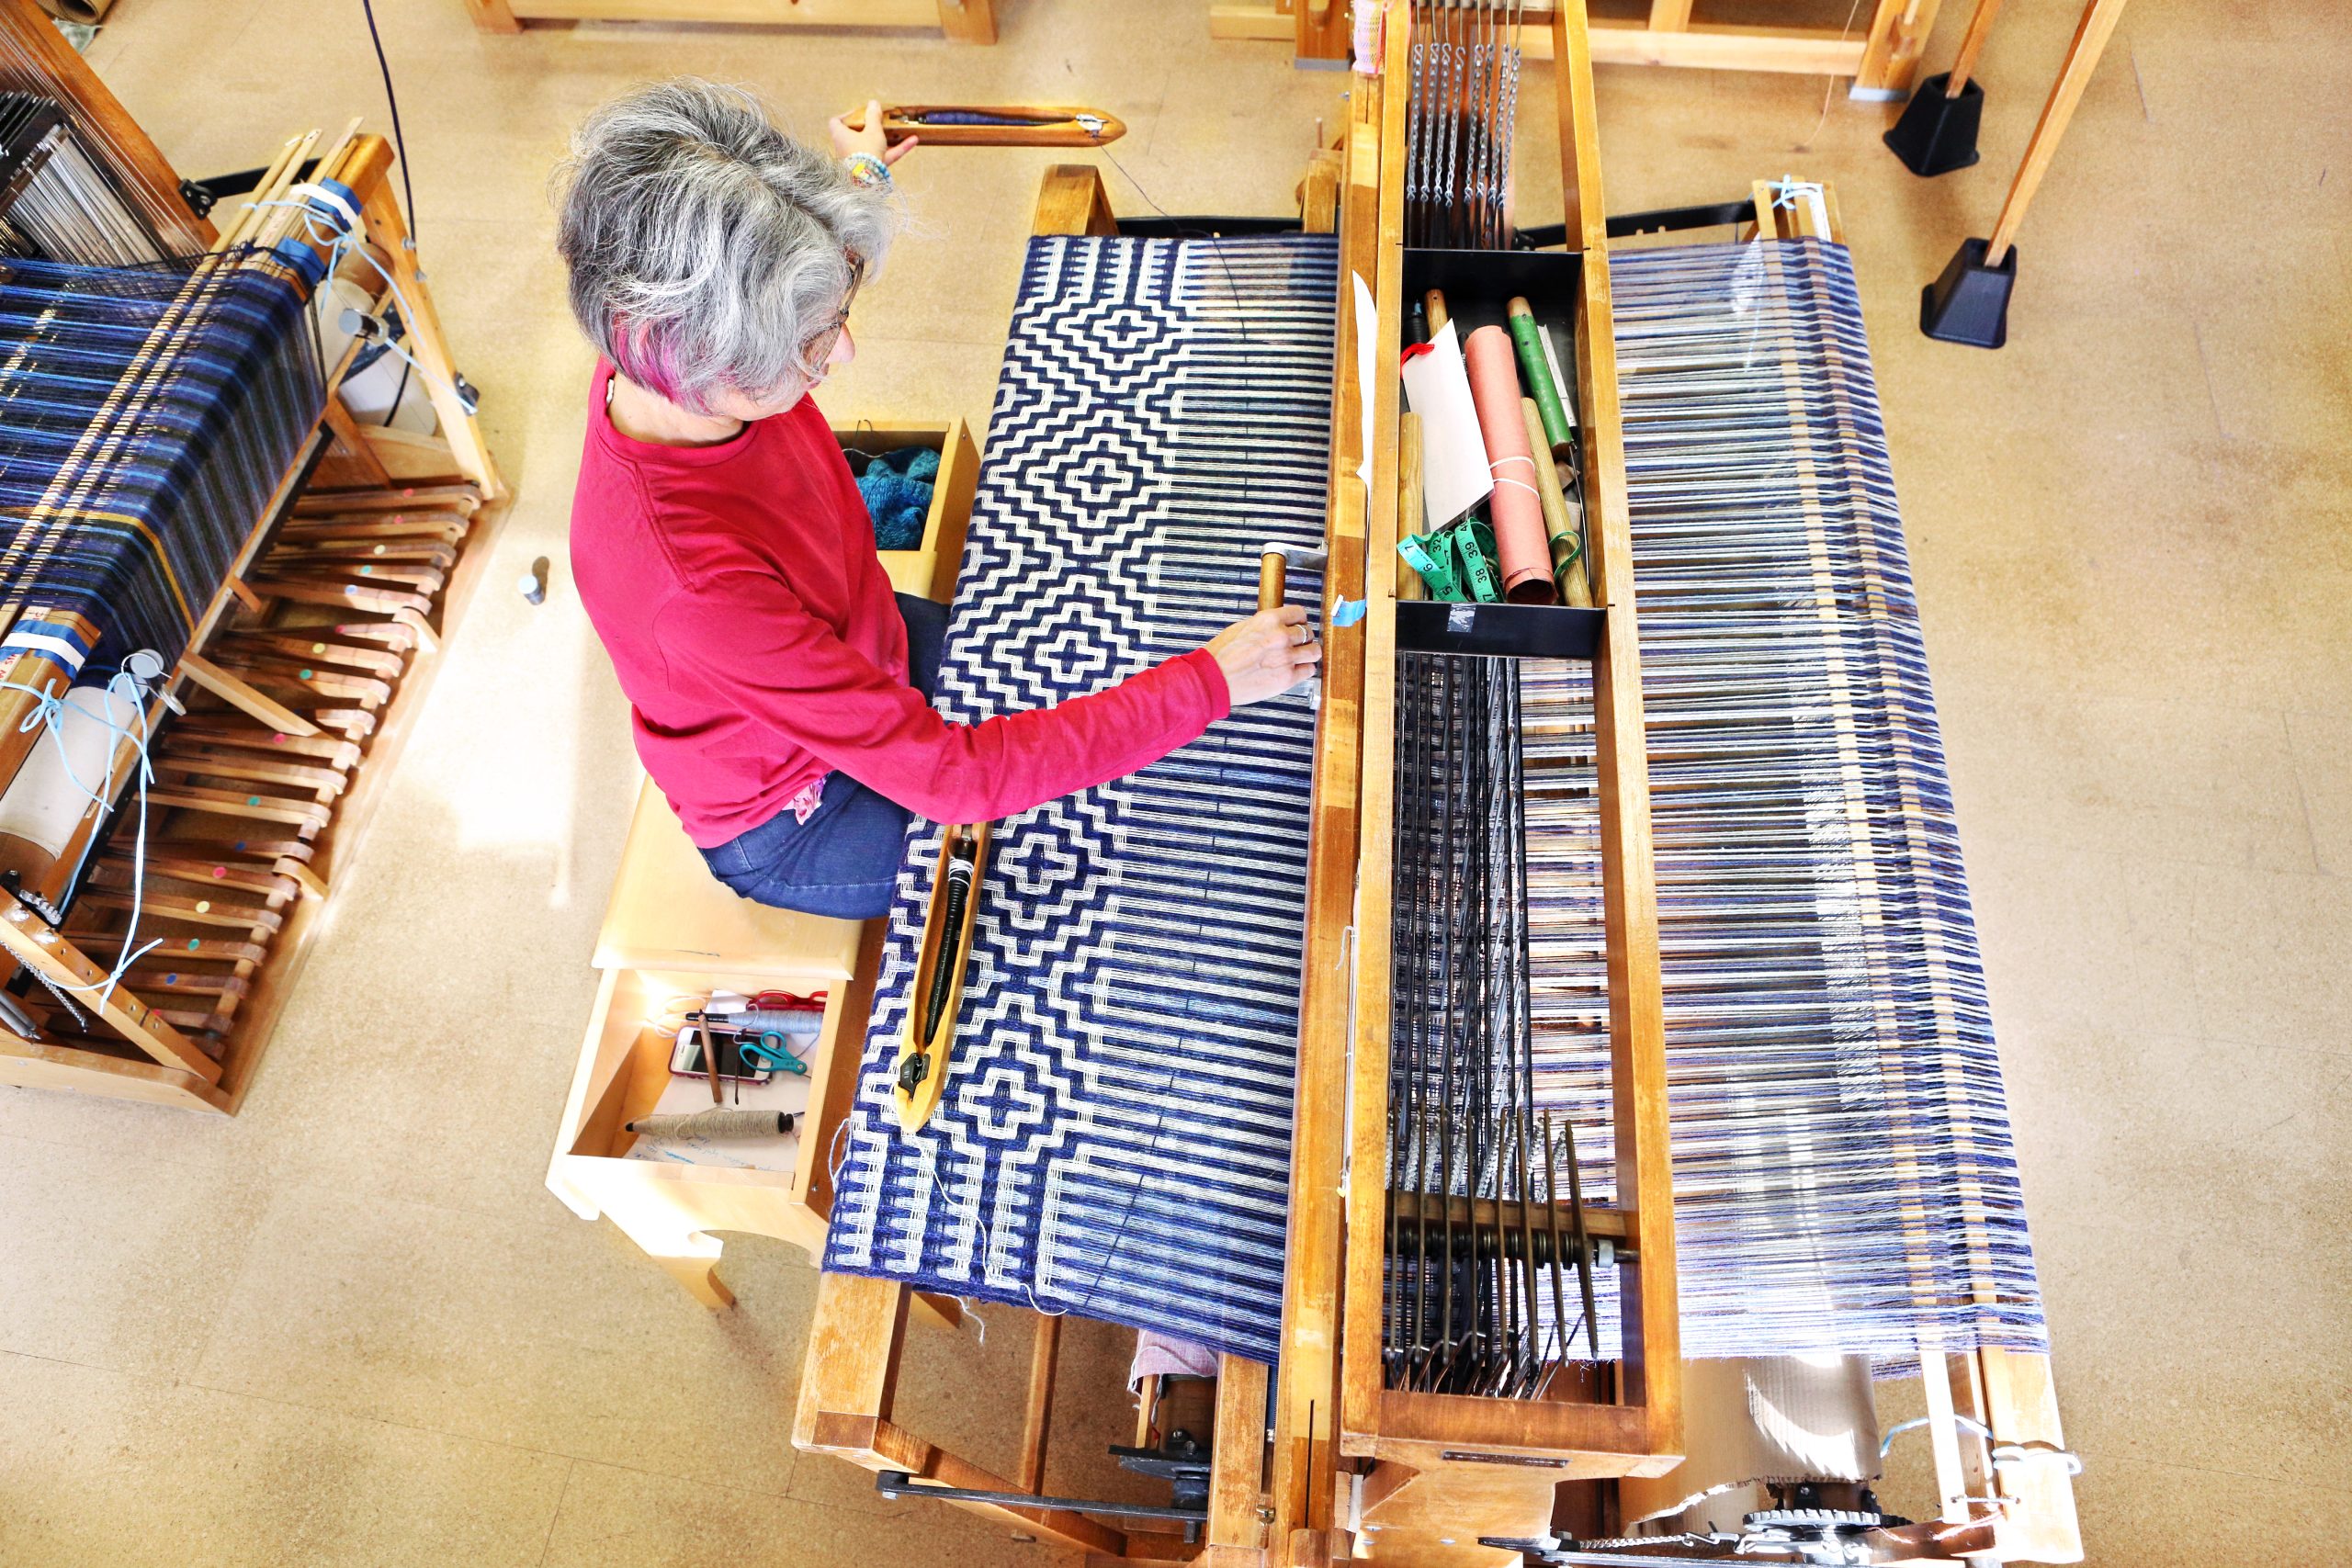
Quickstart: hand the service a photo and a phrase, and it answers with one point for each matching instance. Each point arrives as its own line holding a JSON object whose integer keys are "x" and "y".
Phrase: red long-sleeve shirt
{"x": 736, "y": 589}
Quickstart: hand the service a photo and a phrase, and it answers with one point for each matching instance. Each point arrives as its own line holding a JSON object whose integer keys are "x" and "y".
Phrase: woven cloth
{"x": 146, "y": 416}
{"x": 1115, "y": 1137}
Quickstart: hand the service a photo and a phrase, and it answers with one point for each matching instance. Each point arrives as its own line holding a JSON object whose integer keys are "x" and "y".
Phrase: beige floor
{"x": 352, "y": 1327}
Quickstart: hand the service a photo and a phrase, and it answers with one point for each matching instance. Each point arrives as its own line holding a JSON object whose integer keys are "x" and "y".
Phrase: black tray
{"x": 1499, "y": 631}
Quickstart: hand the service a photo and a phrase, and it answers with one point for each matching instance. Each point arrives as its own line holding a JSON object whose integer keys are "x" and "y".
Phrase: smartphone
{"x": 687, "y": 1061}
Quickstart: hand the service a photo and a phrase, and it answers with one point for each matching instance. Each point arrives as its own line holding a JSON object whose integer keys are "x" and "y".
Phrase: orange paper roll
{"x": 1523, "y": 548}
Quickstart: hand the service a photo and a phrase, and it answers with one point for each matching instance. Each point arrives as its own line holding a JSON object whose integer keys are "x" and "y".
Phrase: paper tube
{"x": 1563, "y": 519}
{"x": 1526, "y": 338}
{"x": 1522, "y": 547}
{"x": 1454, "y": 475}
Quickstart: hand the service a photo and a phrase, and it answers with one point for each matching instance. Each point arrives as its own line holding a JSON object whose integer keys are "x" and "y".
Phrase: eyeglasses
{"x": 816, "y": 350}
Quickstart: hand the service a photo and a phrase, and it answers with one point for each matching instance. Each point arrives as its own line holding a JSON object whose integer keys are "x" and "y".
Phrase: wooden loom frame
{"x": 965, "y": 21}
{"x": 1883, "y": 61}
{"x": 1438, "y": 1457}
{"x": 1428, "y": 1450}
{"x": 171, "y": 1069}
{"x": 1348, "y": 1465}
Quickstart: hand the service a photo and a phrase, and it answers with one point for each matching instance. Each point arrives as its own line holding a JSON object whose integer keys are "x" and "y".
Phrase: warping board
{"x": 1844, "y": 1180}
{"x": 1115, "y": 1139}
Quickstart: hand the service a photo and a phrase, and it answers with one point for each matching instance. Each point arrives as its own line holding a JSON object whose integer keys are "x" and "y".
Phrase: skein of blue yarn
{"x": 896, "y": 487}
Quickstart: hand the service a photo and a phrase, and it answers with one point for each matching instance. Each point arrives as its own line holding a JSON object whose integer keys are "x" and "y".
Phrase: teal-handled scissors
{"x": 771, "y": 1051}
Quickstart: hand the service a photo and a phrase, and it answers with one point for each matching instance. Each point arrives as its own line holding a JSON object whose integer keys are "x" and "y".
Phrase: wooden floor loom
{"x": 304, "y": 663}
{"x": 1335, "y": 1454}
{"x": 1883, "y": 58}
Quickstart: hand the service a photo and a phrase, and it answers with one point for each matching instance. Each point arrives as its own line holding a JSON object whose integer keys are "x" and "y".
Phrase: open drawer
{"x": 928, "y": 571}
{"x": 670, "y": 1205}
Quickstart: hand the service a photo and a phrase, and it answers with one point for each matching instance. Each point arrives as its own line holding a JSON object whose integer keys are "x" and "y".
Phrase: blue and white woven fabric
{"x": 1115, "y": 1138}
{"x": 1843, "y": 1176}
{"x": 146, "y": 415}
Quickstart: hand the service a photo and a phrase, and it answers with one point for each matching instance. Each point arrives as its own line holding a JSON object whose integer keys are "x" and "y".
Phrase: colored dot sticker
{"x": 366, "y": 572}
{"x": 318, "y": 647}
{"x": 306, "y": 674}
{"x": 204, "y": 906}
{"x": 219, "y": 871}
{"x": 241, "y": 843}
{"x": 252, "y": 800}
{"x": 379, "y": 549}
{"x": 175, "y": 979}
{"x": 193, "y": 944}
{"x": 351, "y": 587}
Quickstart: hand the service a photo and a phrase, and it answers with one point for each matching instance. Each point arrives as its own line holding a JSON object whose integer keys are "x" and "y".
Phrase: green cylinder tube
{"x": 1537, "y": 371}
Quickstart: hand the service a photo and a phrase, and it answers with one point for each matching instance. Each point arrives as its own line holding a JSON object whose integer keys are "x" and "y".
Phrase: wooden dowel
{"x": 1972, "y": 44}
{"x": 1411, "y": 513}
{"x": 245, "y": 215}
{"x": 2091, "y": 34}
{"x": 1273, "y": 568}
{"x": 1036, "y": 1420}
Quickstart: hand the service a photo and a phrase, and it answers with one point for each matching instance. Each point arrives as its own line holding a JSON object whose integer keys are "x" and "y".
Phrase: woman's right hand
{"x": 868, "y": 137}
{"x": 1267, "y": 654}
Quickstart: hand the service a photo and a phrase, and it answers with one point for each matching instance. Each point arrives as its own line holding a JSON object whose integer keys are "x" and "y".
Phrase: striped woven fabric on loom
{"x": 146, "y": 415}
{"x": 1844, "y": 1180}
{"x": 1115, "y": 1139}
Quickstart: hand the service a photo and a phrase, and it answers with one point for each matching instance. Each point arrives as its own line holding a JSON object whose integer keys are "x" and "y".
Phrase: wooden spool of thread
{"x": 719, "y": 1123}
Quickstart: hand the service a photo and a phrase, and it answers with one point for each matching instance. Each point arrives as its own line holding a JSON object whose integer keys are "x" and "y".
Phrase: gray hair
{"x": 706, "y": 246}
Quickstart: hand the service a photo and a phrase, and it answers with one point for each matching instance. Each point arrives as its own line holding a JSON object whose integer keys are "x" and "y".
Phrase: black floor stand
{"x": 1969, "y": 303}
{"x": 1936, "y": 134}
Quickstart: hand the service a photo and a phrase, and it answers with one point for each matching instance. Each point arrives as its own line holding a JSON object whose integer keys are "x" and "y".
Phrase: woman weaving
{"x": 780, "y": 697}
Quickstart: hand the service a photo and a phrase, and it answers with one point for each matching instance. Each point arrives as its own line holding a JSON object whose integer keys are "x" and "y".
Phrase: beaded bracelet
{"x": 865, "y": 169}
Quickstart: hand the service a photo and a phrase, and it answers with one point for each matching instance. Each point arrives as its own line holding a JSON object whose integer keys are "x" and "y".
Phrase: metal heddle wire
{"x": 1844, "y": 1180}
{"x": 1464, "y": 94}
{"x": 1474, "y": 1297}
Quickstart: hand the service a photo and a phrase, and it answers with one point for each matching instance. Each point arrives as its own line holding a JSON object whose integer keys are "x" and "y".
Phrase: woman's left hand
{"x": 869, "y": 139}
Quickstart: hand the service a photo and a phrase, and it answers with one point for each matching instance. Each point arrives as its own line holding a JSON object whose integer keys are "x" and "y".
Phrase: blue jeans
{"x": 843, "y": 861}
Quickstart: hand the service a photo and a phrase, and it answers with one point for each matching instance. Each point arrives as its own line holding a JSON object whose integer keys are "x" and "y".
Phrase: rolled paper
{"x": 1563, "y": 518}
{"x": 1528, "y": 339}
{"x": 1409, "y": 516}
{"x": 1455, "y": 474}
{"x": 1522, "y": 548}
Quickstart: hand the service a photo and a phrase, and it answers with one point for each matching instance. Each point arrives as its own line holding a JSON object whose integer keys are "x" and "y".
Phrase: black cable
{"x": 408, "y": 190}
{"x": 399, "y": 144}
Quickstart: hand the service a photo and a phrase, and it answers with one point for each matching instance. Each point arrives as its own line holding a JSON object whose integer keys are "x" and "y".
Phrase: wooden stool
{"x": 673, "y": 931}
{"x": 669, "y": 912}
